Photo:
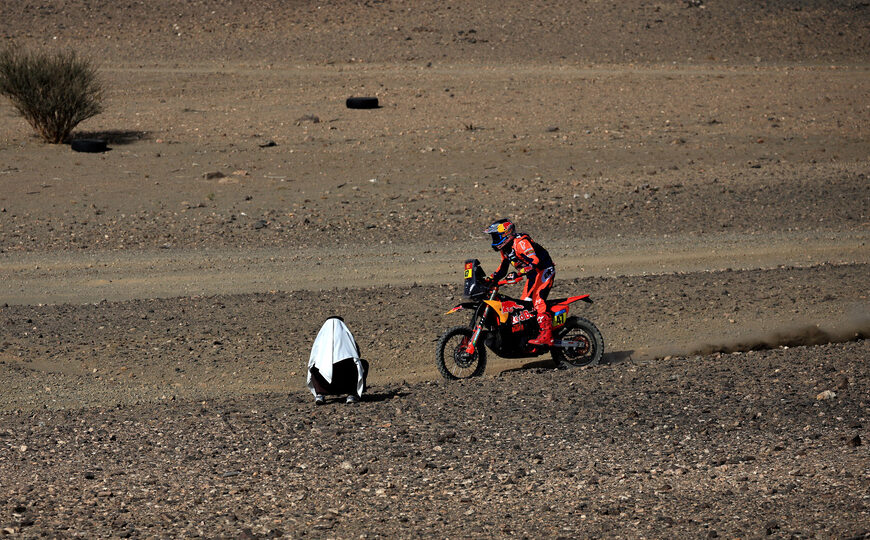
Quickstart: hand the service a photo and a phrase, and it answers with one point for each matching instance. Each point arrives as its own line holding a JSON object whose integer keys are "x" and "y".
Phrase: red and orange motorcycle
{"x": 505, "y": 325}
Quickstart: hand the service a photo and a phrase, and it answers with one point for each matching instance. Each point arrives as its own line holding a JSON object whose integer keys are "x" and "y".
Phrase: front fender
{"x": 460, "y": 307}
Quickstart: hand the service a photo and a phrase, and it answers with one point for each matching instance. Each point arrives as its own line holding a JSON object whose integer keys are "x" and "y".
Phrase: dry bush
{"x": 53, "y": 92}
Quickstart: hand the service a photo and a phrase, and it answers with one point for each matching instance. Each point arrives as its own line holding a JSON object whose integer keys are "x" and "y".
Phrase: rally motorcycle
{"x": 505, "y": 325}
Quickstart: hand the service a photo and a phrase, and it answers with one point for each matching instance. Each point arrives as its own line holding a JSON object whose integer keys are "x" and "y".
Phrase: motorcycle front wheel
{"x": 591, "y": 346}
{"x": 453, "y": 360}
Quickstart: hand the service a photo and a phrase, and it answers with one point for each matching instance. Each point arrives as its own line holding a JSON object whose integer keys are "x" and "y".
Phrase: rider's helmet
{"x": 502, "y": 232}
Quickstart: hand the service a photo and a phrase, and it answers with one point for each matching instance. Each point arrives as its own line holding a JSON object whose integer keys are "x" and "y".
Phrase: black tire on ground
{"x": 362, "y": 103}
{"x": 591, "y": 350}
{"x": 89, "y": 145}
{"x": 453, "y": 362}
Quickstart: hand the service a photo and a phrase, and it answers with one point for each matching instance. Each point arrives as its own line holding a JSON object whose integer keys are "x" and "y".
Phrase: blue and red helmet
{"x": 502, "y": 232}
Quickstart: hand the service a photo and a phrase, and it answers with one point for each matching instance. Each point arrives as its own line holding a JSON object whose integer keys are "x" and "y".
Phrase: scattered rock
{"x": 307, "y": 118}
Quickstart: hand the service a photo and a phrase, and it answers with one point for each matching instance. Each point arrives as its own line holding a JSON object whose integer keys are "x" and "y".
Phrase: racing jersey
{"x": 526, "y": 256}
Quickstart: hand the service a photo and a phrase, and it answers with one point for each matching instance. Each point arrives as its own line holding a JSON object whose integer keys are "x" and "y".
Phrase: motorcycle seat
{"x": 558, "y": 304}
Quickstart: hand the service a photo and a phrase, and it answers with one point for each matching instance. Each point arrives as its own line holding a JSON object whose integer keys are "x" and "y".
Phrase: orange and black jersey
{"x": 526, "y": 256}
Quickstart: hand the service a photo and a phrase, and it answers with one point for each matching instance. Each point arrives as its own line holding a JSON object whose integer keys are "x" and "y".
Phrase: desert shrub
{"x": 53, "y": 92}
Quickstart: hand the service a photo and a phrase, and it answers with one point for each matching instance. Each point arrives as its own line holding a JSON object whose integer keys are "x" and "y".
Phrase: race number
{"x": 559, "y": 318}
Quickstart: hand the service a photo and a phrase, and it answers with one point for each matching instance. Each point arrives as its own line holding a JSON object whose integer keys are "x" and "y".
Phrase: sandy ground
{"x": 700, "y": 168}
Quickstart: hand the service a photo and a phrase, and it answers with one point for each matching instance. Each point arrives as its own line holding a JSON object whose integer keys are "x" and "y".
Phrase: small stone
{"x": 268, "y": 144}
{"x": 307, "y": 118}
{"x": 213, "y": 175}
{"x": 827, "y": 394}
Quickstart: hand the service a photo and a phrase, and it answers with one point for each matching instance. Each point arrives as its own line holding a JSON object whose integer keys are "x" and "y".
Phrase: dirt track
{"x": 700, "y": 168}
{"x": 115, "y": 276}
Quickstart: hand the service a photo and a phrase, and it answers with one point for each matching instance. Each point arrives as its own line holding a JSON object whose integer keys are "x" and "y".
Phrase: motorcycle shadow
{"x": 611, "y": 358}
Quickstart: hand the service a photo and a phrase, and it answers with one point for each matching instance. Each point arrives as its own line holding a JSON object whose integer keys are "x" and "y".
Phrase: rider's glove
{"x": 512, "y": 276}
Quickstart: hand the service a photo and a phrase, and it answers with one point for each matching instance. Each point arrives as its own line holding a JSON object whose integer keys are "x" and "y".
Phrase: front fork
{"x": 471, "y": 348}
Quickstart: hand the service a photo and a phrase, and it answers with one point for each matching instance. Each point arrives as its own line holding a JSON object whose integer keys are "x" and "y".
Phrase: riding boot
{"x": 545, "y": 336}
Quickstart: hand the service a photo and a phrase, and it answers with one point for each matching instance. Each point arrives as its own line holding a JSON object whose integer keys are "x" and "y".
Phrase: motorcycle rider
{"x": 532, "y": 261}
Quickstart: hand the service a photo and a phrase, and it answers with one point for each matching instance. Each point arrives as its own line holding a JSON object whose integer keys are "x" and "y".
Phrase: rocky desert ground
{"x": 699, "y": 167}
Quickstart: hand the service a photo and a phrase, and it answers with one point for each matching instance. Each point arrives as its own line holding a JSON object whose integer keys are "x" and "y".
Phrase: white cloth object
{"x": 334, "y": 343}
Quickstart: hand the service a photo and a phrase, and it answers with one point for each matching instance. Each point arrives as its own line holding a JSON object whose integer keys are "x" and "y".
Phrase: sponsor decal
{"x": 508, "y": 306}
{"x": 521, "y": 316}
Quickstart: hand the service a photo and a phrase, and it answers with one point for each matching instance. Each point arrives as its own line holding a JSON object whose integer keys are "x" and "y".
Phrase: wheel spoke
{"x": 454, "y": 362}
{"x": 589, "y": 345}
{"x": 463, "y": 363}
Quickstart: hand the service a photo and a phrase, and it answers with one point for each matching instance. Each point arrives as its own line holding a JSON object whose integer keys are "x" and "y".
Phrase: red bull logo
{"x": 507, "y": 306}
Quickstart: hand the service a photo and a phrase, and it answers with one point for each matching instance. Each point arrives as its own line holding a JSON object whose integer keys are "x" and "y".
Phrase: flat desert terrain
{"x": 701, "y": 168}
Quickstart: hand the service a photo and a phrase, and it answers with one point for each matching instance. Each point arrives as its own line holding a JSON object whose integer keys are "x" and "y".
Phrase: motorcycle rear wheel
{"x": 591, "y": 349}
{"x": 453, "y": 361}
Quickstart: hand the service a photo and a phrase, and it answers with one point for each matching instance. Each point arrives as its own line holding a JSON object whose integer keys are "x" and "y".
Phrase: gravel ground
{"x": 769, "y": 443}
{"x": 733, "y": 401}
{"x": 153, "y": 350}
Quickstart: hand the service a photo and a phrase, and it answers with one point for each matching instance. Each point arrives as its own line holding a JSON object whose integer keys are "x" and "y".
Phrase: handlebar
{"x": 476, "y": 281}
{"x": 506, "y": 281}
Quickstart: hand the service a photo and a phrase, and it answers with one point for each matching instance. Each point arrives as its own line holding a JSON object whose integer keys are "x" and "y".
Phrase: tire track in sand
{"x": 74, "y": 277}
